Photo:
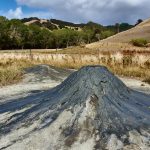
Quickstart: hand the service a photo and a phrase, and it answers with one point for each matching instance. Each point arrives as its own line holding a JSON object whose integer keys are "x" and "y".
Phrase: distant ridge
{"x": 59, "y": 24}
{"x": 52, "y": 23}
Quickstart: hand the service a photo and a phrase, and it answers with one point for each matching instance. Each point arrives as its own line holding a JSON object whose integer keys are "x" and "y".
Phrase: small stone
{"x": 114, "y": 143}
{"x": 142, "y": 84}
{"x": 97, "y": 138}
{"x": 134, "y": 137}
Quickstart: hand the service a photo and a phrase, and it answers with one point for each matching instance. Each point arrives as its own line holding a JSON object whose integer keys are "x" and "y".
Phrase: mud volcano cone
{"x": 91, "y": 109}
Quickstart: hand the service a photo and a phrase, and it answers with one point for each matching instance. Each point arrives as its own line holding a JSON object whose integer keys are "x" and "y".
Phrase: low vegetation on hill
{"x": 139, "y": 42}
{"x": 122, "y": 27}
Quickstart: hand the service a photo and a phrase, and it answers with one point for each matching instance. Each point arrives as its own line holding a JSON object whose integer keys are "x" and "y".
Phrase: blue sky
{"x": 12, "y": 9}
{"x": 101, "y": 11}
{"x": 5, "y": 5}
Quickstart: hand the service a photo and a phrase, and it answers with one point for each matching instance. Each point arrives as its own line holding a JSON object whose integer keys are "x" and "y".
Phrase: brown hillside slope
{"x": 121, "y": 40}
{"x": 140, "y": 31}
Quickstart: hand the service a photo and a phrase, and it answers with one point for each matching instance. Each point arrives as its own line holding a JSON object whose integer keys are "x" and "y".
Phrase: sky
{"x": 105, "y": 12}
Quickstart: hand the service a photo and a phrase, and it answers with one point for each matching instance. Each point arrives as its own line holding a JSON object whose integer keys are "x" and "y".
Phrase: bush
{"x": 147, "y": 80}
{"x": 106, "y": 34}
{"x": 139, "y": 42}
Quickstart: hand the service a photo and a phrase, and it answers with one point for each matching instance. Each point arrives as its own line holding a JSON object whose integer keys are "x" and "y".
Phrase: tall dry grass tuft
{"x": 11, "y": 70}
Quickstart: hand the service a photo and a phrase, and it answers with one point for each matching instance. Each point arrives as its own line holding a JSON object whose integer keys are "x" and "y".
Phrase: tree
{"x": 14, "y": 34}
{"x": 62, "y": 37}
{"x": 46, "y": 39}
{"x": 106, "y": 34}
{"x": 4, "y": 33}
{"x": 138, "y": 22}
{"x": 125, "y": 26}
{"x": 34, "y": 38}
{"x": 117, "y": 27}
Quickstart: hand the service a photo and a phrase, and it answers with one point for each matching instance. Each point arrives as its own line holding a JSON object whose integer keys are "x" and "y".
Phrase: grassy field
{"x": 126, "y": 63}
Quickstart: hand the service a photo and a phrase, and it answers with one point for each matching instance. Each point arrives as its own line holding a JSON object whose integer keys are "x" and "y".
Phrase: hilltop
{"x": 53, "y": 24}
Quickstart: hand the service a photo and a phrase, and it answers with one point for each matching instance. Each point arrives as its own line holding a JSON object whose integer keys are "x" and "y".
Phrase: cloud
{"x": 102, "y": 11}
{"x": 17, "y": 13}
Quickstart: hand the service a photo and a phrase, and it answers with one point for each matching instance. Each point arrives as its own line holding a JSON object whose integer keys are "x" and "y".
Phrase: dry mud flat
{"x": 91, "y": 109}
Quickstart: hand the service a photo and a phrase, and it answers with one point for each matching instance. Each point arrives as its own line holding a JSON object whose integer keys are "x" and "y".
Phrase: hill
{"x": 60, "y": 24}
{"x": 122, "y": 39}
{"x": 52, "y": 23}
{"x": 50, "y": 34}
{"x": 140, "y": 31}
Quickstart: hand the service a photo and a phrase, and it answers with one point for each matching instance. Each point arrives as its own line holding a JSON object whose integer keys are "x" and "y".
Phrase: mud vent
{"x": 91, "y": 109}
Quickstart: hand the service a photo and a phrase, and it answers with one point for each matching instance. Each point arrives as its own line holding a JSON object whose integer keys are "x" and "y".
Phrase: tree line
{"x": 14, "y": 34}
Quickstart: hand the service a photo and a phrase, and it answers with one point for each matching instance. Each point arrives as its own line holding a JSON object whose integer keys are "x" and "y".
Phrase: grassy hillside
{"x": 122, "y": 40}
{"x": 140, "y": 31}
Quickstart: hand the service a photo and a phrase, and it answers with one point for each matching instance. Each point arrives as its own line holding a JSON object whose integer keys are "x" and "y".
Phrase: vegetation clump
{"x": 139, "y": 42}
{"x": 147, "y": 80}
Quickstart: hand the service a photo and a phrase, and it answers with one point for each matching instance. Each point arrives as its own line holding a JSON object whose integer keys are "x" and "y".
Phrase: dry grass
{"x": 76, "y": 50}
{"x": 116, "y": 47}
{"x": 91, "y": 49}
{"x": 27, "y": 51}
{"x": 126, "y": 63}
{"x": 11, "y": 71}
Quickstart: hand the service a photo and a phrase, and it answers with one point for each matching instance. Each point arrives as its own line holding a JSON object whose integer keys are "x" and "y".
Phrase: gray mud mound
{"x": 35, "y": 80}
{"x": 91, "y": 110}
{"x": 42, "y": 72}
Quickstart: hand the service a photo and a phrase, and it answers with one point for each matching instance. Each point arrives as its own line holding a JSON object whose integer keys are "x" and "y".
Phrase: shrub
{"x": 139, "y": 42}
{"x": 147, "y": 80}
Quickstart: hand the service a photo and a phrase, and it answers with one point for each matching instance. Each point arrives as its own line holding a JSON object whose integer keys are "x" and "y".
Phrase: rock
{"x": 135, "y": 137}
{"x": 139, "y": 140}
{"x": 114, "y": 143}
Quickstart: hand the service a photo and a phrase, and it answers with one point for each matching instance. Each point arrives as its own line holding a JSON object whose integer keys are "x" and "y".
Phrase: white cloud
{"x": 103, "y": 11}
{"x": 17, "y": 13}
